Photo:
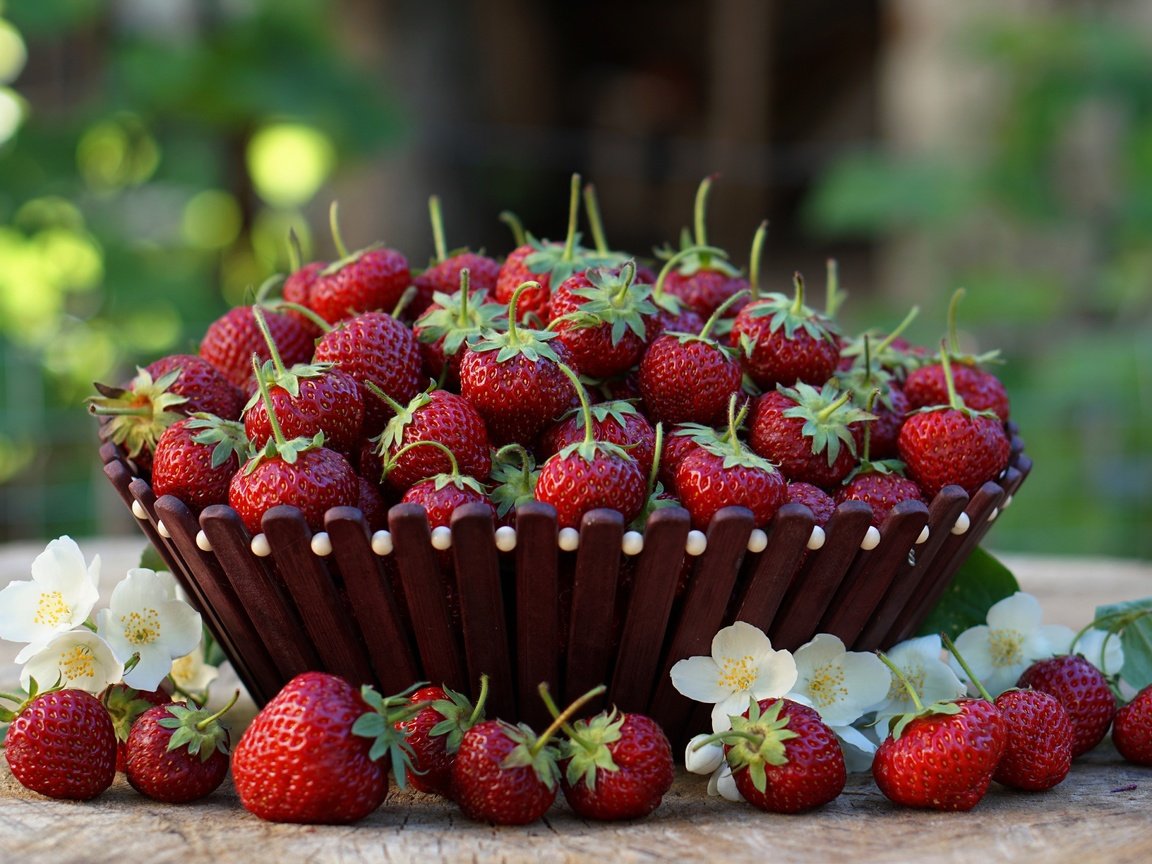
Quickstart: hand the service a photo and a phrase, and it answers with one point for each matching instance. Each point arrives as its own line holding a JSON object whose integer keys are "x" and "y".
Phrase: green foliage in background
{"x": 149, "y": 171}
{"x": 1047, "y": 223}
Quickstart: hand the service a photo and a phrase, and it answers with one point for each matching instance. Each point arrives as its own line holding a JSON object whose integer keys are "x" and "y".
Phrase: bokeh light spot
{"x": 13, "y": 53}
{"x": 212, "y": 220}
{"x": 11, "y": 113}
{"x": 117, "y": 153}
{"x": 289, "y": 162}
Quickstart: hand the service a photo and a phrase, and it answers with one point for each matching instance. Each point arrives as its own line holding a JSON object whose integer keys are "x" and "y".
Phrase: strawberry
{"x": 125, "y": 705}
{"x": 615, "y": 422}
{"x": 375, "y": 347}
{"x": 601, "y": 315}
{"x": 506, "y": 774}
{"x": 889, "y": 353}
{"x": 297, "y": 288}
{"x": 590, "y": 474}
{"x": 368, "y": 280}
{"x": 514, "y": 476}
{"x": 161, "y": 393}
{"x": 1132, "y": 729}
{"x": 723, "y": 473}
{"x": 814, "y": 498}
{"x": 673, "y": 359}
{"x": 434, "y": 733}
{"x": 952, "y": 444}
{"x": 678, "y": 445}
{"x": 443, "y": 274}
{"x": 441, "y": 494}
{"x": 514, "y": 379}
{"x": 453, "y": 319}
{"x": 1083, "y": 691}
{"x": 808, "y": 433}
{"x": 783, "y": 757}
{"x": 372, "y": 503}
{"x": 195, "y": 459}
{"x": 704, "y": 280}
{"x": 615, "y": 766}
{"x": 231, "y": 339}
{"x": 301, "y": 472}
{"x": 320, "y": 751}
{"x": 441, "y": 416}
{"x": 61, "y": 744}
{"x": 176, "y": 753}
{"x": 1038, "y": 748}
{"x": 889, "y": 406}
{"x": 881, "y": 488}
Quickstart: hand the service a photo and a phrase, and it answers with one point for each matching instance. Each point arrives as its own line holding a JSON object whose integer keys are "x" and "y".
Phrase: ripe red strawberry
{"x": 1083, "y": 691}
{"x": 889, "y": 406}
{"x": 434, "y": 733}
{"x": 454, "y": 318}
{"x": 951, "y": 444}
{"x": 441, "y": 494}
{"x": 590, "y": 474}
{"x": 614, "y": 422}
{"x": 674, "y": 359}
{"x": 980, "y": 390}
{"x": 176, "y": 753}
{"x": 231, "y": 339}
{"x": 320, "y": 752}
{"x": 601, "y": 315}
{"x": 440, "y": 416}
{"x": 1038, "y": 748}
{"x": 297, "y": 290}
{"x": 203, "y": 386}
{"x": 880, "y": 489}
{"x": 814, "y": 498}
{"x": 943, "y": 757}
{"x": 375, "y": 347}
{"x": 808, "y": 433}
{"x": 368, "y": 280}
{"x": 195, "y": 459}
{"x": 513, "y": 481}
{"x": 125, "y": 705}
{"x": 682, "y": 441}
{"x": 1132, "y": 729}
{"x": 783, "y": 757}
{"x": 616, "y": 766}
{"x": 514, "y": 380}
{"x": 782, "y": 341}
{"x": 724, "y": 473}
{"x": 61, "y": 744}
{"x": 443, "y": 275}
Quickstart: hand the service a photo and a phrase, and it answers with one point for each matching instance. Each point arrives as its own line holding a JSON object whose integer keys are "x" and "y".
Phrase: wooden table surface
{"x": 1102, "y": 812}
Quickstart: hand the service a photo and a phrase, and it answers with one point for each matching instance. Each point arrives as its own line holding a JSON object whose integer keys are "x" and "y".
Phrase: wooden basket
{"x": 407, "y": 604}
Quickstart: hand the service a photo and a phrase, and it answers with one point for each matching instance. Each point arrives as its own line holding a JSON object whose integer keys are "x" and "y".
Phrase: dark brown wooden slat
{"x": 258, "y": 589}
{"x": 590, "y": 636}
{"x": 224, "y": 614}
{"x": 537, "y": 621}
{"x": 426, "y": 595}
{"x": 873, "y": 571}
{"x": 373, "y": 604}
{"x": 486, "y": 638}
{"x": 702, "y": 615}
{"x": 953, "y": 552}
{"x": 141, "y": 492}
{"x": 778, "y": 565}
{"x": 943, "y": 511}
{"x": 649, "y": 609}
{"x": 811, "y": 593}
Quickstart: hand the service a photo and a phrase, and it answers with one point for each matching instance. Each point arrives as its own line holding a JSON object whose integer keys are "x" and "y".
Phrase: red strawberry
{"x": 297, "y": 290}
{"x": 590, "y": 474}
{"x": 514, "y": 380}
{"x": 682, "y": 441}
{"x": 1038, "y": 749}
{"x": 177, "y": 754}
{"x": 373, "y": 505}
{"x": 320, "y": 752}
{"x": 1083, "y": 691}
{"x": 375, "y": 347}
{"x": 195, "y": 459}
{"x": 724, "y": 473}
{"x": 783, "y": 757}
{"x": 514, "y": 476}
{"x": 889, "y": 406}
{"x": 201, "y": 384}
{"x": 943, "y": 757}
{"x": 674, "y": 359}
{"x": 231, "y": 339}
{"x": 434, "y": 733}
{"x": 441, "y": 416}
{"x": 453, "y": 319}
{"x": 1132, "y": 729}
{"x": 443, "y": 274}
{"x": 614, "y": 422}
{"x": 951, "y": 444}
{"x": 61, "y": 744}
{"x": 601, "y": 315}
{"x": 782, "y": 341}
{"x": 814, "y": 498}
{"x": 441, "y": 494}
{"x": 616, "y": 766}
{"x": 808, "y": 433}
{"x": 879, "y": 489}
{"x": 125, "y": 705}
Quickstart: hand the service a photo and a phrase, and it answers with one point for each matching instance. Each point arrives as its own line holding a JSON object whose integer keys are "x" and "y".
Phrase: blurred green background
{"x": 154, "y": 153}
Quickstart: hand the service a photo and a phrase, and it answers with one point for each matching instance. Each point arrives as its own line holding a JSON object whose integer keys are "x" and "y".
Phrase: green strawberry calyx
{"x": 613, "y": 300}
{"x": 228, "y": 437}
{"x": 278, "y": 445}
{"x": 788, "y": 314}
{"x": 452, "y": 477}
{"x": 124, "y": 705}
{"x": 514, "y": 475}
{"x": 537, "y": 751}
{"x": 559, "y": 261}
{"x": 729, "y": 447}
{"x": 670, "y": 302}
{"x": 865, "y": 377}
{"x": 881, "y": 355}
{"x": 274, "y": 370}
{"x": 139, "y": 413}
{"x": 402, "y": 416}
{"x": 900, "y": 721}
{"x": 586, "y": 747}
{"x": 458, "y": 317}
{"x": 459, "y": 715}
{"x": 517, "y": 340}
{"x": 383, "y": 725}
{"x": 589, "y": 447}
{"x": 757, "y": 739}
{"x": 826, "y": 413}
{"x": 198, "y": 729}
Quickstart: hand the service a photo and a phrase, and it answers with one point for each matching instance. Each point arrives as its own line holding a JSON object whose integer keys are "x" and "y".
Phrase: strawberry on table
{"x": 1083, "y": 691}
{"x": 1038, "y": 747}
{"x": 1132, "y": 729}
{"x": 434, "y": 733}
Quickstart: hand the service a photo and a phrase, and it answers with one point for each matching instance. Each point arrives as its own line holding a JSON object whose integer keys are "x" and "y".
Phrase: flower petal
{"x": 775, "y": 675}
{"x": 1021, "y": 612}
{"x": 739, "y": 640}
{"x": 698, "y": 678}
{"x": 703, "y": 758}
{"x": 155, "y": 664}
{"x": 180, "y": 628}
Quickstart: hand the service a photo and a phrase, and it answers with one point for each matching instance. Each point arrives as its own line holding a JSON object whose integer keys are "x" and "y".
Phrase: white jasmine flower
{"x": 703, "y": 758}
{"x": 1014, "y": 637}
{"x": 722, "y": 783}
{"x": 78, "y": 659}
{"x": 858, "y": 747}
{"x": 921, "y": 661}
{"x": 59, "y": 597}
{"x": 841, "y": 685}
{"x": 1104, "y": 651}
{"x": 191, "y": 674}
{"x": 743, "y": 666}
{"x": 145, "y": 617}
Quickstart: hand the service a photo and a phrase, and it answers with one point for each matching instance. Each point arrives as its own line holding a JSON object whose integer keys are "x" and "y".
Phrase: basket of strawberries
{"x": 561, "y": 467}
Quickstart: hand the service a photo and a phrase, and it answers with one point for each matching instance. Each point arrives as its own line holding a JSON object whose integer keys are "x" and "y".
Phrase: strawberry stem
{"x": 953, "y": 315}
{"x": 310, "y": 314}
{"x": 207, "y": 721}
{"x": 900, "y": 328}
{"x": 832, "y": 294}
{"x": 657, "y": 452}
{"x": 798, "y": 302}
{"x": 626, "y": 276}
{"x": 513, "y": 221}
{"x": 262, "y": 325}
{"x": 455, "y": 472}
{"x": 564, "y": 717}
{"x": 903, "y": 679}
{"x": 396, "y": 407}
{"x": 595, "y": 223}
{"x": 700, "y": 233}
{"x": 977, "y": 683}
{"x": 954, "y": 398}
{"x": 437, "y": 218}
{"x": 661, "y": 278}
{"x": 754, "y": 260}
{"x": 589, "y": 443}
{"x": 462, "y": 317}
{"x": 334, "y": 226}
{"x": 550, "y": 704}
{"x": 719, "y": 313}
{"x": 266, "y": 398}
{"x": 514, "y": 337}
{"x": 573, "y": 217}
{"x": 826, "y": 412}
{"x": 478, "y": 708}
{"x": 295, "y": 253}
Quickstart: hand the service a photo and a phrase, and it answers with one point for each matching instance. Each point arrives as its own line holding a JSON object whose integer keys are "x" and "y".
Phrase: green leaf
{"x": 980, "y": 582}
{"x": 1133, "y": 620}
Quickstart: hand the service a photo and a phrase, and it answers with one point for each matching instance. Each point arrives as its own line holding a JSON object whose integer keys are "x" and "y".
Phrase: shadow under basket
{"x": 533, "y": 604}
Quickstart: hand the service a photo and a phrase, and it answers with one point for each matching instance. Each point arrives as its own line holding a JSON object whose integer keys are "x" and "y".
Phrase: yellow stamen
{"x": 77, "y": 663}
{"x": 737, "y": 673}
{"x": 141, "y": 627}
{"x": 1006, "y": 647}
{"x": 51, "y": 610}
{"x": 827, "y": 685}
